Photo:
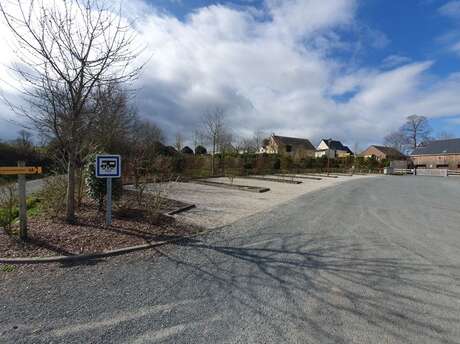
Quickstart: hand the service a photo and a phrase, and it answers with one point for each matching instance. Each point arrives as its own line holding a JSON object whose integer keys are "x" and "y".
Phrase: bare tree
{"x": 24, "y": 144}
{"x": 114, "y": 120}
{"x": 65, "y": 50}
{"x": 397, "y": 140}
{"x": 258, "y": 139}
{"x": 411, "y": 134}
{"x": 179, "y": 142}
{"x": 213, "y": 129}
{"x": 445, "y": 135}
{"x": 198, "y": 138}
{"x": 144, "y": 142}
{"x": 247, "y": 145}
{"x": 417, "y": 130}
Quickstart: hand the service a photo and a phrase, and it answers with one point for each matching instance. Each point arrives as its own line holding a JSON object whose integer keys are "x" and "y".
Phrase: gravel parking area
{"x": 371, "y": 261}
{"x": 216, "y": 207}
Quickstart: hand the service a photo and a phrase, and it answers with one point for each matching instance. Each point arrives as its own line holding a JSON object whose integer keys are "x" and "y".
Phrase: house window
{"x": 442, "y": 166}
{"x": 288, "y": 148}
{"x": 420, "y": 166}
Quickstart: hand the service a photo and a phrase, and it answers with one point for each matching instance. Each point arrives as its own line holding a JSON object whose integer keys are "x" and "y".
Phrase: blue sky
{"x": 348, "y": 69}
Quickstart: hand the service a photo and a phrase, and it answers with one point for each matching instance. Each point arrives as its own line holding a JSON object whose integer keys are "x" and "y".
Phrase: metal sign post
{"x": 108, "y": 213}
{"x": 108, "y": 167}
{"x": 21, "y": 170}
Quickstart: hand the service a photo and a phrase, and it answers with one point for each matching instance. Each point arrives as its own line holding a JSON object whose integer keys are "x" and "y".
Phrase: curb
{"x": 90, "y": 256}
{"x": 180, "y": 210}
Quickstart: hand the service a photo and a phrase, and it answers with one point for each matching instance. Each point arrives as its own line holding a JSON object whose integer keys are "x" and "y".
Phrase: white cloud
{"x": 395, "y": 60}
{"x": 276, "y": 72}
{"x": 451, "y": 9}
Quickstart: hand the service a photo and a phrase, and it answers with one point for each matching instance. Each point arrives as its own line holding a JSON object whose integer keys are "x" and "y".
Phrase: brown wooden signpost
{"x": 21, "y": 170}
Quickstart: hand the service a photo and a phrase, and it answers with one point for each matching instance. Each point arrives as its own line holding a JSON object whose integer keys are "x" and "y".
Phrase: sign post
{"x": 21, "y": 170}
{"x": 108, "y": 167}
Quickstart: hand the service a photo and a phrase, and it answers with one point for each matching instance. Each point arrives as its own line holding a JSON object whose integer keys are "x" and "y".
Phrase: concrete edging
{"x": 90, "y": 256}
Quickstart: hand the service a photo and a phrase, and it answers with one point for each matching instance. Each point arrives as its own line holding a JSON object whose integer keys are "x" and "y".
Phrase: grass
{"x": 7, "y": 268}
{"x": 33, "y": 209}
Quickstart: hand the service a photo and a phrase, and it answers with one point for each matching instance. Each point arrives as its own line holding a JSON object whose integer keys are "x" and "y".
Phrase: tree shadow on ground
{"x": 402, "y": 298}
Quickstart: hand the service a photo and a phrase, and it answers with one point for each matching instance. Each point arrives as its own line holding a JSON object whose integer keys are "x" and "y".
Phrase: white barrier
{"x": 391, "y": 170}
{"x": 434, "y": 172}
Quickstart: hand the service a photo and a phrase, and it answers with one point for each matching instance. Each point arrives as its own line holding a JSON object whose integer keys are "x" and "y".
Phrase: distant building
{"x": 333, "y": 149}
{"x": 291, "y": 146}
{"x": 438, "y": 154}
{"x": 382, "y": 153}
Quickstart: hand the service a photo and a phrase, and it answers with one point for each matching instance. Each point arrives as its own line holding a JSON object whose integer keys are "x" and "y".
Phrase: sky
{"x": 352, "y": 70}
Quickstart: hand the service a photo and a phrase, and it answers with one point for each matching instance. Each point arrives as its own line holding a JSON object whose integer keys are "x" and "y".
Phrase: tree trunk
{"x": 70, "y": 206}
{"x": 79, "y": 186}
{"x": 213, "y": 156}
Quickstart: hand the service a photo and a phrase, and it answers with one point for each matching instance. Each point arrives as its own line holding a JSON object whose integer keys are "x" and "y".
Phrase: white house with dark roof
{"x": 333, "y": 149}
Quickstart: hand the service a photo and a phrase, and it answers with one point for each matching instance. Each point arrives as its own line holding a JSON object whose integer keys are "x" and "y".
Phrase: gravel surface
{"x": 374, "y": 260}
{"x": 217, "y": 207}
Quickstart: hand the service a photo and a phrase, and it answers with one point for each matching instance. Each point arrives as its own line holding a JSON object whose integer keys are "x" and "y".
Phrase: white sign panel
{"x": 108, "y": 166}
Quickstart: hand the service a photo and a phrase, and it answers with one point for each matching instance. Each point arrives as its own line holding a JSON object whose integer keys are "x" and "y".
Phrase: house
{"x": 291, "y": 146}
{"x": 382, "y": 153}
{"x": 438, "y": 154}
{"x": 332, "y": 149}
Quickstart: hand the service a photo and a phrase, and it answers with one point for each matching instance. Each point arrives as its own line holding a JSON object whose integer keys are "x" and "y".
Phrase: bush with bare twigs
{"x": 53, "y": 195}
{"x": 156, "y": 200}
{"x": 8, "y": 206}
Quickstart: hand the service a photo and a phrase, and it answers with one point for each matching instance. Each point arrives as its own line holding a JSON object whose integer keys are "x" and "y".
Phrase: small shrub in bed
{"x": 53, "y": 195}
{"x": 8, "y": 206}
{"x": 97, "y": 187}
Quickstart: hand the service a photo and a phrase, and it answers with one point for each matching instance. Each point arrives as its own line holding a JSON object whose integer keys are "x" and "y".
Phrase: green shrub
{"x": 7, "y": 268}
{"x": 97, "y": 187}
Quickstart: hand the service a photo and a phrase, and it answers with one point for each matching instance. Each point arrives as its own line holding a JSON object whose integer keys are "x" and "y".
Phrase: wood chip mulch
{"x": 51, "y": 237}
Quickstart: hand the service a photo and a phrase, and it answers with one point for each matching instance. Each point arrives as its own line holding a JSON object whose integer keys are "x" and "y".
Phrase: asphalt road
{"x": 369, "y": 261}
{"x": 33, "y": 186}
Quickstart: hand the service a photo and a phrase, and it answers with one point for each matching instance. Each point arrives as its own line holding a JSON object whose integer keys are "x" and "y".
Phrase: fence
{"x": 433, "y": 172}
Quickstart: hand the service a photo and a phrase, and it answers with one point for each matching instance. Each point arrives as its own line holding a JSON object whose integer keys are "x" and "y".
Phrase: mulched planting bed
{"x": 130, "y": 227}
{"x": 299, "y": 176}
{"x": 232, "y": 186}
{"x": 318, "y": 175}
{"x": 278, "y": 180}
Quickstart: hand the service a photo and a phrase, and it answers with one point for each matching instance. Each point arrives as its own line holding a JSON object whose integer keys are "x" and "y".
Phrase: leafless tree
{"x": 246, "y": 145}
{"x": 65, "y": 50}
{"x": 213, "y": 130}
{"x": 445, "y": 135}
{"x": 114, "y": 120}
{"x": 179, "y": 142}
{"x": 258, "y": 139}
{"x": 198, "y": 138}
{"x": 417, "y": 130}
{"x": 397, "y": 140}
{"x": 144, "y": 143}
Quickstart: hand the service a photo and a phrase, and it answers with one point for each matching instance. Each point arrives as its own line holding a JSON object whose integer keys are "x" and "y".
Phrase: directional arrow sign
{"x": 20, "y": 170}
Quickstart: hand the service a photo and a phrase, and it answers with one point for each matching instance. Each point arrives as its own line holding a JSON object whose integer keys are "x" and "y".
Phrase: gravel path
{"x": 370, "y": 261}
{"x": 217, "y": 207}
